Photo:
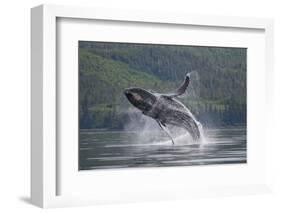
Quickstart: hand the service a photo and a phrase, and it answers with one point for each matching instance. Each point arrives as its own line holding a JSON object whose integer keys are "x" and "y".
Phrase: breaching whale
{"x": 166, "y": 109}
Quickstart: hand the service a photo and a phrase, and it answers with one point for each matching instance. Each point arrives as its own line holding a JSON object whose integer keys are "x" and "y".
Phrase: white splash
{"x": 148, "y": 132}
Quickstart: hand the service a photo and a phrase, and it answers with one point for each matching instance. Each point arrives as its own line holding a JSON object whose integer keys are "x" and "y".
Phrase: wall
{"x": 15, "y": 96}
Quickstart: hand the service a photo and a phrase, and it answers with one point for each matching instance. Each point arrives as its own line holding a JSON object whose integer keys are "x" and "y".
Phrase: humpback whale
{"x": 166, "y": 109}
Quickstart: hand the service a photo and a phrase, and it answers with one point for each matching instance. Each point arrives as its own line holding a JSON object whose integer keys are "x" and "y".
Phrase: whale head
{"x": 140, "y": 98}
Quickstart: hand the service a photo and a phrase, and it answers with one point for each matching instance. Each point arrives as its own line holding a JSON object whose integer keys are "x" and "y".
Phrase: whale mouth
{"x": 140, "y": 98}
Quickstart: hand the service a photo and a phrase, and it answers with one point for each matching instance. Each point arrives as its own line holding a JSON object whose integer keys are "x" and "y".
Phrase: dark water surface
{"x": 103, "y": 149}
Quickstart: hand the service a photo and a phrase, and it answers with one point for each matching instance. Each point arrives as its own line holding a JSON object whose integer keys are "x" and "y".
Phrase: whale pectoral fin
{"x": 181, "y": 90}
{"x": 165, "y": 129}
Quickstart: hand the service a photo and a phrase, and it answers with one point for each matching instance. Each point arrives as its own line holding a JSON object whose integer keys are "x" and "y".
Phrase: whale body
{"x": 166, "y": 109}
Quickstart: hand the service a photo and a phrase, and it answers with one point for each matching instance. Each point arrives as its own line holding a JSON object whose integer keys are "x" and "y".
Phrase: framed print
{"x": 124, "y": 126}
{"x": 149, "y": 106}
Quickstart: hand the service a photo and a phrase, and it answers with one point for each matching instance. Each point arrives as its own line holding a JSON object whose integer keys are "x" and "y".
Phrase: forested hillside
{"x": 216, "y": 95}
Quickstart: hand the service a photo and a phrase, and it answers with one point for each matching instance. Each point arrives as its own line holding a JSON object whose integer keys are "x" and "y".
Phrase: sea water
{"x": 105, "y": 149}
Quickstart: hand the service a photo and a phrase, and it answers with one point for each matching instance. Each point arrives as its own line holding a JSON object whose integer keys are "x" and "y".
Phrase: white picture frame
{"x": 45, "y": 168}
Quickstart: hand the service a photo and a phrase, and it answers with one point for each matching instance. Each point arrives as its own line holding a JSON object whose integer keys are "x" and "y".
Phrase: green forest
{"x": 216, "y": 94}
